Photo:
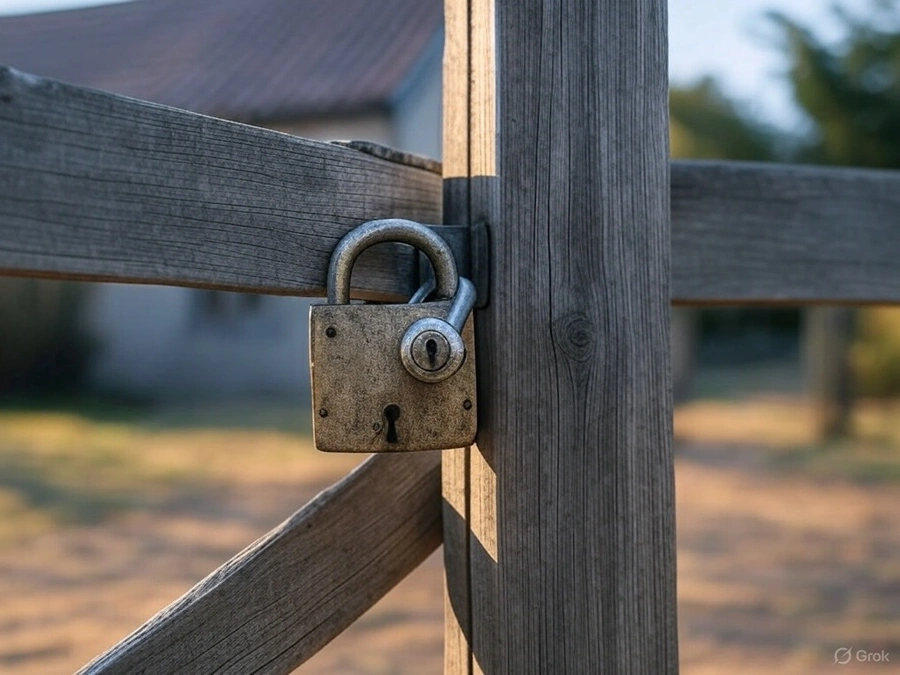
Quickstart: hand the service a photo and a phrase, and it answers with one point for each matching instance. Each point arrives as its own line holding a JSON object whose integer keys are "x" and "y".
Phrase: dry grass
{"x": 62, "y": 468}
{"x": 104, "y": 522}
{"x": 780, "y": 430}
{"x": 786, "y": 552}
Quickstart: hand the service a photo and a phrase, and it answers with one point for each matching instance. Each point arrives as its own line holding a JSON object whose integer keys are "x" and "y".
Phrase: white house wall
{"x": 417, "y": 106}
{"x": 137, "y": 329}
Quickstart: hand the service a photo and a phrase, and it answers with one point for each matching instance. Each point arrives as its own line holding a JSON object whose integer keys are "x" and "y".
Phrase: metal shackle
{"x": 374, "y": 232}
{"x": 432, "y": 349}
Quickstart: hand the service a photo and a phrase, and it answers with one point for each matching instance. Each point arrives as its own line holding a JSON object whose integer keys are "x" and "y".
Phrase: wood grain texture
{"x": 282, "y": 599}
{"x": 454, "y": 467}
{"x": 457, "y": 624}
{"x": 570, "y": 506}
{"x": 101, "y": 187}
{"x": 764, "y": 233}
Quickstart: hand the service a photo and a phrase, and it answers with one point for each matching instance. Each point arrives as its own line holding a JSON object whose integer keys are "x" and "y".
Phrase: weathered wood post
{"x": 559, "y": 526}
{"x": 827, "y": 339}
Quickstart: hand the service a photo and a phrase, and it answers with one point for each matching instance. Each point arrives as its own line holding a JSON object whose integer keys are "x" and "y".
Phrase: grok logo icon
{"x": 842, "y": 656}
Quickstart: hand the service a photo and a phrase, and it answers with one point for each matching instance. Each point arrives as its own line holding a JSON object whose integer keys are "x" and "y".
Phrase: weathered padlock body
{"x": 357, "y": 374}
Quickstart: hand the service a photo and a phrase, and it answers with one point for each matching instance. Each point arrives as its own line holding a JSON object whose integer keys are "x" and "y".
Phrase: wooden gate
{"x": 559, "y": 525}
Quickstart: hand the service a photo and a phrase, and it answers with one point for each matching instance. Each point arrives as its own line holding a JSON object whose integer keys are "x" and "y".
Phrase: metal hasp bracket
{"x": 471, "y": 248}
{"x": 470, "y": 245}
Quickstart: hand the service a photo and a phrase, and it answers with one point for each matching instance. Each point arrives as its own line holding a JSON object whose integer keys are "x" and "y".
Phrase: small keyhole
{"x": 431, "y": 350}
{"x": 391, "y": 414}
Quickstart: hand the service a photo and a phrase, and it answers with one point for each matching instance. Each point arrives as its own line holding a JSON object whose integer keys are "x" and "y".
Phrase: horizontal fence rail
{"x": 101, "y": 187}
{"x": 751, "y": 233}
{"x": 278, "y": 602}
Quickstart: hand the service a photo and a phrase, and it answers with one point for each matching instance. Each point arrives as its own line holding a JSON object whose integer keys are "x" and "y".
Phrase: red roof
{"x": 248, "y": 60}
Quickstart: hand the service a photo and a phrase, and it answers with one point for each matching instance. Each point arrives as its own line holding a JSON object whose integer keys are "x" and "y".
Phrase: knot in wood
{"x": 574, "y": 335}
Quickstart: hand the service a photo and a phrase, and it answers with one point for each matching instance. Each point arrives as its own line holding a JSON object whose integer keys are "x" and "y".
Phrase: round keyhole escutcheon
{"x": 432, "y": 350}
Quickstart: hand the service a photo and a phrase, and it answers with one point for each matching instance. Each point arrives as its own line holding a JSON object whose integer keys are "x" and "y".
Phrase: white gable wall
{"x": 417, "y": 106}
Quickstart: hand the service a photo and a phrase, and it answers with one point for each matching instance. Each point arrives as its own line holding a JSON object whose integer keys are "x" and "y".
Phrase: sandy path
{"x": 775, "y": 573}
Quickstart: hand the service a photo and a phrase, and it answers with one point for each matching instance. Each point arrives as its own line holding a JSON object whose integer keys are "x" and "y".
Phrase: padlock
{"x": 399, "y": 377}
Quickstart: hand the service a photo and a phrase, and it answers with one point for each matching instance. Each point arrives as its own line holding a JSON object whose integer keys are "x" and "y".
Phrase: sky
{"x": 725, "y": 38}
{"x": 731, "y": 40}
{"x": 27, "y": 6}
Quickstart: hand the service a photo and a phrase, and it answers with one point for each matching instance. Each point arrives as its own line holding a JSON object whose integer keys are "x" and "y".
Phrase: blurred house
{"x": 322, "y": 69}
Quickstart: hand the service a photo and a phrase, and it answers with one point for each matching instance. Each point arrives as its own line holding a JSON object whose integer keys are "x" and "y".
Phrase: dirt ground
{"x": 785, "y": 555}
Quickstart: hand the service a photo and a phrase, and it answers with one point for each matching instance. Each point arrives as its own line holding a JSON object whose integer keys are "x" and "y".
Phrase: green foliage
{"x": 875, "y": 354}
{"x": 705, "y": 124}
{"x": 43, "y": 346}
{"x": 850, "y": 90}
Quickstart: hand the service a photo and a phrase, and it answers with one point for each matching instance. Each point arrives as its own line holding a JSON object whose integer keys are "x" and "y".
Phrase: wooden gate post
{"x": 559, "y": 526}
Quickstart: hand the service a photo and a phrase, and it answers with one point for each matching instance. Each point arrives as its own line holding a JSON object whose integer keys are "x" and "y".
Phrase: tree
{"x": 850, "y": 92}
{"x": 705, "y": 124}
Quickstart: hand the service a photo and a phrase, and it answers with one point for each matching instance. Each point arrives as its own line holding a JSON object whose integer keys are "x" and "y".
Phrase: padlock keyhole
{"x": 391, "y": 415}
{"x": 431, "y": 349}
